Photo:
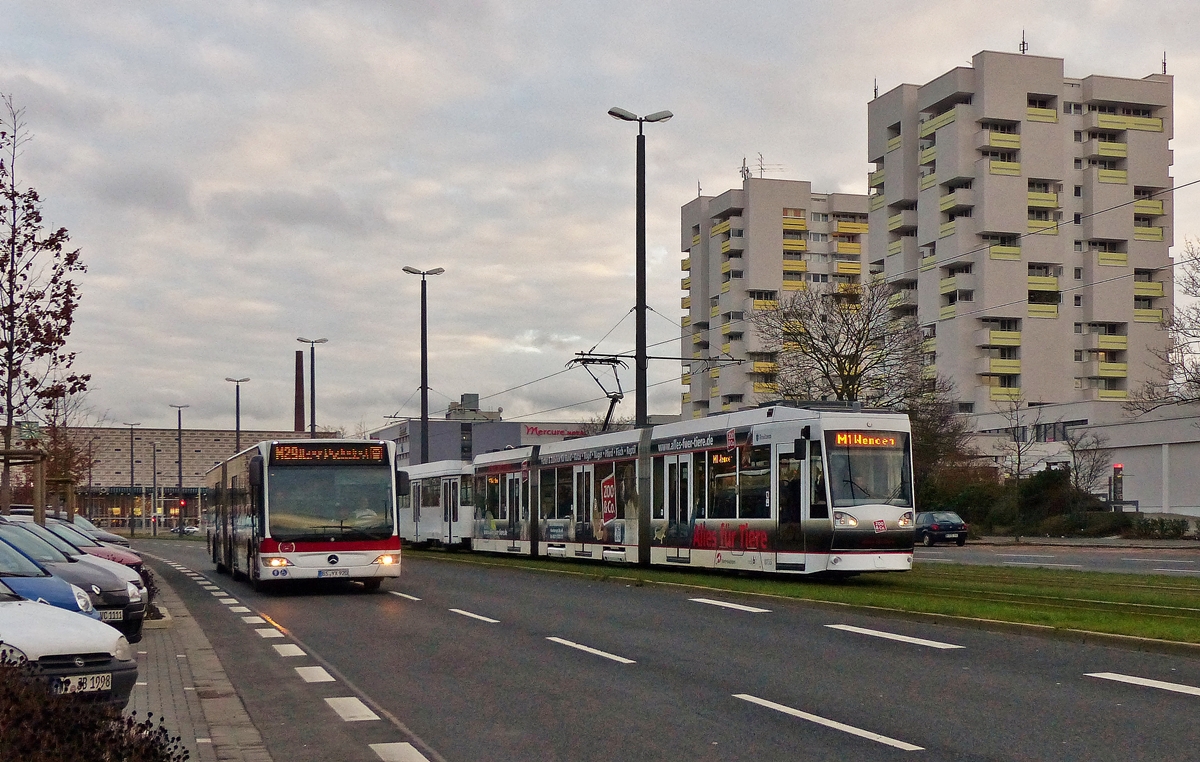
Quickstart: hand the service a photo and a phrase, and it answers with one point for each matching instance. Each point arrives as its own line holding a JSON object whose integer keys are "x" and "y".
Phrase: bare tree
{"x": 942, "y": 438}
{"x": 37, "y": 297}
{"x": 1019, "y": 447}
{"x": 844, "y": 344}
{"x": 1177, "y": 370}
{"x": 1089, "y": 458}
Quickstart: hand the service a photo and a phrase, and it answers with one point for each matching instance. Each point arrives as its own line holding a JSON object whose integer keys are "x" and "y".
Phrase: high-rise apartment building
{"x": 742, "y": 250}
{"x": 1026, "y": 218}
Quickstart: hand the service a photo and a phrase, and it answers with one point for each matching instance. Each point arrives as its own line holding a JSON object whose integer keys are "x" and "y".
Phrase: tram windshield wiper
{"x": 865, "y": 492}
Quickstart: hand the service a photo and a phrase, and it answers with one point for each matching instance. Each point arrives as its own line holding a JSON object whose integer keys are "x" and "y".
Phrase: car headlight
{"x": 387, "y": 559}
{"x": 275, "y": 562}
{"x": 11, "y": 655}
{"x": 842, "y": 519}
{"x": 906, "y": 520}
{"x": 123, "y": 651}
{"x": 135, "y": 595}
{"x": 81, "y": 598}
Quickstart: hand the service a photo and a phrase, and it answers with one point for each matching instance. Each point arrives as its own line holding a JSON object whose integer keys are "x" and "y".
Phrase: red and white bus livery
{"x": 308, "y": 509}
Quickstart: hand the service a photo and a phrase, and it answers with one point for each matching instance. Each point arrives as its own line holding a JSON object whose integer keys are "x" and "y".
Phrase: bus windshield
{"x": 323, "y": 502}
{"x": 869, "y": 467}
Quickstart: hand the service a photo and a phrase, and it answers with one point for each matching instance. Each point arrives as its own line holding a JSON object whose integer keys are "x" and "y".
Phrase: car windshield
{"x": 319, "y": 502}
{"x": 869, "y": 467}
{"x": 13, "y": 564}
{"x": 45, "y": 534}
{"x": 89, "y": 526}
{"x": 38, "y": 550}
{"x": 72, "y": 535}
{"x": 947, "y": 516}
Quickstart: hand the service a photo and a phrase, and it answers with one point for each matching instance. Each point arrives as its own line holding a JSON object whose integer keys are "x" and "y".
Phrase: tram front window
{"x": 869, "y": 467}
{"x": 319, "y": 502}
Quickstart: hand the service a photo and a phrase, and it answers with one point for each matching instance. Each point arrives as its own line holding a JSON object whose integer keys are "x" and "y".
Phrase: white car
{"x": 76, "y": 654}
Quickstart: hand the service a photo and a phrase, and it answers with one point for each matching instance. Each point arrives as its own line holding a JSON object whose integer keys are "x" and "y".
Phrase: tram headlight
{"x": 843, "y": 519}
{"x": 387, "y": 559}
{"x": 906, "y": 520}
{"x": 275, "y": 562}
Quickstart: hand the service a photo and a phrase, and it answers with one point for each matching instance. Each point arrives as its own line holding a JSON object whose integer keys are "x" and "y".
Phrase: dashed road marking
{"x": 351, "y": 709}
{"x": 1025, "y": 555}
{"x": 314, "y": 675}
{"x": 590, "y": 650}
{"x": 239, "y": 609}
{"x": 1178, "y": 571}
{"x": 269, "y": 632}
{"x": 830, "y": 723}
{"x": 1146, "y": 682}
{"x": 728, "y": 605}
{"x": 411, "y": 598}
{"x": 254, "y": 620}
{"x": 210, "y": 587}
{"x": 228, "y": 601}
{"x": 480, "y": 617}
{"x": 289, "y": 649}
{"x": 398, "y": 752}
{"x": 1038, "y": 563}
{"x": 1158, "y": 560}
{"x": 893, "y": 636}
{"x": 219, "y": 594}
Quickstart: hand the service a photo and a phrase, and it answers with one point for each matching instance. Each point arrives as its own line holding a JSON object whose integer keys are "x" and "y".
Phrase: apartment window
{"x": 735, "y": 233}
{"x": 793, "y": 256}
{"x": 966, "y": 296}
{"x": 1079, "y": 246}
{"x": 1079, "y": 328}
{"x": 1078, "y": 136}
{"x": 818, "y": 277}
{"x": 1078, "y": 191}
{"x": 1078, "y": 355}
{"x": 1078, "y": 270}
{"x": 1035, "y": 102}
{"x": 1079, "y": 383}
{"x": 1079, "y": 164}
{"x": 789, "y": 212}
{"x": 820, "y": 217}
{"x": 966, "y": 407}
{"x": 1078, "y": 300}
{"x": 1072, "y": 108}
{"x": 793, "y": 235}
{"x": 818, "y": 237}
{"x": 1078, "y": 218}
{"x": 736, "y": 273}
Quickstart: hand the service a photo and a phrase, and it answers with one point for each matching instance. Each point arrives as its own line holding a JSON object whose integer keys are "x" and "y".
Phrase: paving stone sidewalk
{"x": 181, "y": 680}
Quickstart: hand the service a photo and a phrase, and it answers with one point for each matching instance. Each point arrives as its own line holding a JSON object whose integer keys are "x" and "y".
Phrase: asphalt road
{"x": 471, "y": 662}
{"x": 1165, "y": 561}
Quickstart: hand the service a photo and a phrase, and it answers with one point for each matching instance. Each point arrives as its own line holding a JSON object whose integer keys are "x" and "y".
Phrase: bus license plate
{"x": 112, "y": 615}
{"x": 84, "y": 683}
{"x": 333, "y": 572}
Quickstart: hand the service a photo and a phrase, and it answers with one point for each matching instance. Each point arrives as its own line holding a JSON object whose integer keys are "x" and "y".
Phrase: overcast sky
{"x": 239, "y": 174}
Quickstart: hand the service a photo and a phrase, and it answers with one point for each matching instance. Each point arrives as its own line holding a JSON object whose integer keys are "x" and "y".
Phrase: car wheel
{"x": 961, "y": 541}
{"x": 927, "y": 540}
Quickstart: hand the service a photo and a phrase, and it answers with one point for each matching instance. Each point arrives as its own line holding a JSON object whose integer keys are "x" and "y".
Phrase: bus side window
{"x": 819, "y": 504}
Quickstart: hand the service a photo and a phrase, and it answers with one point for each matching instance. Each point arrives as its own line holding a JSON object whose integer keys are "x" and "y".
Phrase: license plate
{"x": 333, "y": 572}
{"x": 953, "y": 536}
{"x": 84, "y": 683}
{"x": 112, "y": 615}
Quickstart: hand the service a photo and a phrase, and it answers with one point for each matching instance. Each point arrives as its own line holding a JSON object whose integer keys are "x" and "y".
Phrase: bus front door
{"x": 450, "y": 529}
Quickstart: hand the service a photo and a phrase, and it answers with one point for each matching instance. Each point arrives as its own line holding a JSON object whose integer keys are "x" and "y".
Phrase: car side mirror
{"x": 256, "y": 471}
{"x": 402, "y": 484}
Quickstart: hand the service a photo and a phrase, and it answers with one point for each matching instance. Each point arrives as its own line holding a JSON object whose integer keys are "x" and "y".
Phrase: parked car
{"x": 76, "y": 655}
{"x": 119, "y": 601}
{"x": 88, "y": 545}
{"x": 79, "y": 522}
{"x": 941, "y": 526}
{"x": 121, "y": 570}
{"x": 29, "y": 580}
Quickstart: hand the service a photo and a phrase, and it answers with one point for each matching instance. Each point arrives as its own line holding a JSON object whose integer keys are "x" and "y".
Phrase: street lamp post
{"x": 131, "y": 497}
{"x": 424, "y": 361}
{"x": 312, "y": 383}
{"x": 640, "y": 361}
{"x": 179, "y": 441}
{"x": 237, "y": 411}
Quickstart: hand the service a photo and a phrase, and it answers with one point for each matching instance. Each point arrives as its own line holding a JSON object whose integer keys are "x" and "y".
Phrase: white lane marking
{"x": 289, "y": 649}
{"x": 829, "y": 723}
{"x": 476, "y": 616}
{"x": 239, "y": 609}
{"x": 228, "y": 601}
{"x": 1148, "y": 683}
{"x": 411, "y": 598}
{"x": 1179, "y": 571}
{"x": 351, "y": 709}
{"x": 269, "y": 632}
{"x": 398, "y": 752}
{"x": 203, "y": 740}
{"x": 1024, "y": 555}
{"x": 1158, "y": 560}
{"x": 314, "y": 675}
{"x": 593, "y": 651}
{"x": 727, "y": 605}
{"x": 219, "y": 594}
{"x": 936, "y": 560}
{"x": 254, "y": 620}
{"x": 1036, "y": 563}
{"x": 893, "y": 636}
{"x": 210, "y": 587}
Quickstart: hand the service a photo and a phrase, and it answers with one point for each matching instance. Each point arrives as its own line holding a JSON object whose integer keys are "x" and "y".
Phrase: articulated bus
{"x": 308, "y": 509}
{"x": 790, "y": 490}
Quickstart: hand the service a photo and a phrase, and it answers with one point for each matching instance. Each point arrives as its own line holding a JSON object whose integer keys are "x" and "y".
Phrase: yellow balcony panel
{"x": 726, "y": 407}
{"x": 696, "y": 355}
{"x": 1110, "y": 342}
{"x": 1147, "y": 234}
{"x": 726, "y": 266}
{"x": 685, "y": 284}
{"x": 686, "y": 265}
{"x": 719, "y": 228}
{"x": 894, "y": 143}
{"x": 714, "y": 311}
{"x": 795, "y": 223}
{"x": 714, "y": 373}
{"x": 685, "y": 303}
{"x": 725, "y": 329}
{"x": 1010, "y": 253}
{"x": 1118, "y": 122}
{"x": 715, "y": 392}
{"x": 1112, "y": 394}
{"x": 765, "y": 387}
{"x": 790, "y": 266}
{"x": 927, "y": 156}
{"x": 1112, "y": 369}
{"x": 794, "y": 285}
{"x": 878, "y": 277}
{"x": 725, "y": 287}
{"x": 764, "y": 367}
{"x": 929, "y": 372}
{"x": 792, "y": 244}
{"x": 696, "y": 240}
{"x": 876, "y": 178}
{"x": 941, "y": 120}
{"x": 895, "y": 221}
{"x": 903, "y": 298}
{"x": 846, "y": 247}
{"x": 1002, "y": 140}
{"x": 1112, "y": 150}
{"x": 1043, "y": 310}
{"x": 849, "y": 268}
{"x": 1112, "y": 258}
{"x": 997, "y": 367}
{"x": 1004, "y": 338}
{"x": 895, "y": 247}
{"x": 1010, "y": 168}
{"x": 685, "y": 398}
{"x": 726, "y": 347}
{"x": 726, "y": 246}
{"x": 687, "y": 320}
{"x": 855, "y": 228}
{"x": 1042, "y": 200}
{"x": 877, "y": 201}
{"x": 946, "y": 285}
{"x": 1004, "y": 393}
{"x": 1147, "y": 315}
{"x": 928, "y": 181}
{"x": 946, "y": 229}
{"x": 765, "y": 304}
{"x": 1041, "y": 114}
{"x": 1113, "y": 176}
{"x": 698, "y": 338}
{"x": 1043, "y": 282}
{"x": 686, "y": 379}
{"x": 928, "y": 263}
{"x": 1151, "y": 288}
{"x": 946, "y": 312}
{"x": 1148, "y": 206}
{"x": 929, "y": 345}
{"x": 1043, "y": 227}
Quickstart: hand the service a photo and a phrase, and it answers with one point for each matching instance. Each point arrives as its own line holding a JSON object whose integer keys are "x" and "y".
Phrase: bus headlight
{"x": 906, "y": 520}
{"x": 387, "y": 559}
{"x": 275, "y": 562}
{"x": 841, "y": 519}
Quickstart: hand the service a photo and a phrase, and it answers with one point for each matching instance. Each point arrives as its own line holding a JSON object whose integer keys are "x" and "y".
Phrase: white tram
{"x": 792, "y": 490}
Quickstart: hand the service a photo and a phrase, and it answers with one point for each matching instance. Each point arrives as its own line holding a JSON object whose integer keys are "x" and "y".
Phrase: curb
{"x": 158, "y": 624}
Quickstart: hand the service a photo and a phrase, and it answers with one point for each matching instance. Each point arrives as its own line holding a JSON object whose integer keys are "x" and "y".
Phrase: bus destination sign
{"x": 307, "y": 454}
{"x": 864, "y": 439}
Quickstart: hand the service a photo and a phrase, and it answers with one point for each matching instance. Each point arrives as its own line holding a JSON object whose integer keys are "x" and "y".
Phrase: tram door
{"x": 510, "y": 502}
{"x": 451, "y": 534}
{"x": 677, "y": 497}
{"x": 792, "y": 483}
{"x": 585, "y": 477}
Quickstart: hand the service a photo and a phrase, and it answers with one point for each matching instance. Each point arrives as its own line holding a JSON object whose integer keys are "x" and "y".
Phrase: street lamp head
{"x": 622, "y": 114}
{"x": 436, "y": 271}
{"x": 236, "y": 380}
{"x": 320, "y": 341}
{"x": 658, "y": 116}
{"x": 412, "y": 270}
{"x": 180, "y": 407}
{"x": 303, "y": 340}
{"x": 132, "y": 424}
